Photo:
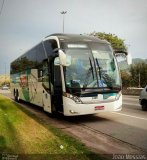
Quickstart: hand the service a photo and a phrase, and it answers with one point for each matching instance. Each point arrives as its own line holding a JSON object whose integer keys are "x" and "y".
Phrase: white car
{"x": 5, "y": 88}
{"x": 143, "y": 99}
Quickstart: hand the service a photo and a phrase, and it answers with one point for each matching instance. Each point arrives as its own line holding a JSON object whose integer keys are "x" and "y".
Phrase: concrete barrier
{"x": 131, "y": 91}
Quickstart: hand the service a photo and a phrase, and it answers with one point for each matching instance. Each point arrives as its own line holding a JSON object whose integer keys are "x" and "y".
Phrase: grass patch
{"x": 23, "y": 133}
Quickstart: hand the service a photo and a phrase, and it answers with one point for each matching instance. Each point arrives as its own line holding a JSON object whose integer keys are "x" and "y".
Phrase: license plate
{"x": 99, "y": 108}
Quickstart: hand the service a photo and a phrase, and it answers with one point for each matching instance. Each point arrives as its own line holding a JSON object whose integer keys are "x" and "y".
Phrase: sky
{"x": 24, "y": 23}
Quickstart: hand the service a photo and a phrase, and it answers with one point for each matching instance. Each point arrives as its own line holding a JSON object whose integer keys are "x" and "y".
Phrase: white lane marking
{"x": 132, "y": 97}
{"x": 127, "y": 115}
{"x": 129, "y": 98}
{"x": 132, "y": 104}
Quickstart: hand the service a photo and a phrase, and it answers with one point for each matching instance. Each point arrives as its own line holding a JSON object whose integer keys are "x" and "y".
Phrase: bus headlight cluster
{"x": 74, "y": 98}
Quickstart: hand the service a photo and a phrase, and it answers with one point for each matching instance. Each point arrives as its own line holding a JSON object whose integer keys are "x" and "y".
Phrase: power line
{"x": 2, "y": 7}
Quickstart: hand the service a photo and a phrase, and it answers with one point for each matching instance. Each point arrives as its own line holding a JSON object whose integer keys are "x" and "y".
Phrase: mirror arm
{"x": 56, "y": 50}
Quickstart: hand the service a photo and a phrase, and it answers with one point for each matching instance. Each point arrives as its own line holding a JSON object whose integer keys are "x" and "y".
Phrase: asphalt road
{"x": 128, "y": 125}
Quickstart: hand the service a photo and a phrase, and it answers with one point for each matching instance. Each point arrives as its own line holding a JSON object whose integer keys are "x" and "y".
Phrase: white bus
{"x": 70, "y": 74}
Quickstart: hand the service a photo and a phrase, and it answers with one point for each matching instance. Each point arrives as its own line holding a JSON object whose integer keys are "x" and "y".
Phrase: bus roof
{"x": 76, "y": 37}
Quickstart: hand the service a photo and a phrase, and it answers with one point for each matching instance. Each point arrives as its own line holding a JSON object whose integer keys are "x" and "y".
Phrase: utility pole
{"x": 139, "y": 80}
{"x": 2, "y": 6}
{"x": 63, "y": 13}
{"x": 5, "y": 73}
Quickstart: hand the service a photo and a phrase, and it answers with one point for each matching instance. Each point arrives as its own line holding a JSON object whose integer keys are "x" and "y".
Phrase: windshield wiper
{"x": 88, "y": 74}
{"x": 91, "y": 68}
{"x": 99, "y": 68}
{"x": 107, "y": 79}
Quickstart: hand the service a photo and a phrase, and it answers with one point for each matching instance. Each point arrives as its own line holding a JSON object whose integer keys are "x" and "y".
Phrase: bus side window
{"x": 45, "y": 75}
{"x": 40, "y": 73}
{"x": 57, "y": 77}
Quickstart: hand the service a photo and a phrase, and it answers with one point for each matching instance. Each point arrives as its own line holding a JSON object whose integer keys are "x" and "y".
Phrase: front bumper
{"x": 71, "y": 108}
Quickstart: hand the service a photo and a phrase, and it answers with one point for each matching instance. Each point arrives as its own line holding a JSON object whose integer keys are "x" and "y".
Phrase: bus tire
{"x": 54, "y": 112}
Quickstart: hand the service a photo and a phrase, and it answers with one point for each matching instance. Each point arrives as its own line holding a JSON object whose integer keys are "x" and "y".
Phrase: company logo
{"x": 23, "y": 80}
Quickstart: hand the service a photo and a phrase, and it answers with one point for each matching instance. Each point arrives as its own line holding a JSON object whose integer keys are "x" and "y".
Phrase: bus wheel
{"x": 54, "y": 112}
{"x": 16, "y": 96}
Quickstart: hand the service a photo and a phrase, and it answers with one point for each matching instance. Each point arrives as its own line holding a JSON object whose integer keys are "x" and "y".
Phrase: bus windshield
{"x": 92, "y": 65}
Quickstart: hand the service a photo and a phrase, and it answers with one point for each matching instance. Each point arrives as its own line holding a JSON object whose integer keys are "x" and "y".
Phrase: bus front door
{"x": 46, "y": 95}
{"x": 57, "y": 97}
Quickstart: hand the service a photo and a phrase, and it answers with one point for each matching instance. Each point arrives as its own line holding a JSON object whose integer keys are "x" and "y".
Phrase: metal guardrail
{"x": 131, "y": 91}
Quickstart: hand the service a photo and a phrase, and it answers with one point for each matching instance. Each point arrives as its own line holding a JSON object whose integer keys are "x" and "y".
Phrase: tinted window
{"x": 40, "y": 53}
{"x": 50, "y": 45}
{"x": 30, "y": 59}
{"x": 45, "y": 74}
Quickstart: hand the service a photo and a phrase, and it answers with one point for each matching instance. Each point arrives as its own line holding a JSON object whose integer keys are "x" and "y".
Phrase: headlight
{"x": 74, "y": 98}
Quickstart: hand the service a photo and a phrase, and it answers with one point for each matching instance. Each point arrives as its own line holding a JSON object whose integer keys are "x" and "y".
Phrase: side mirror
{"x": 123, "y": 55}
{"x": 129, "y": 59}
{"x": 64, "y": 60}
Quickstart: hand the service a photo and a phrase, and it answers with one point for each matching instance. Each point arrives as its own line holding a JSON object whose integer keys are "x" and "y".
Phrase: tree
{"x": 139, "y": 74}
{"x": 126, "y": 79}
{"x": 116, "y": 42}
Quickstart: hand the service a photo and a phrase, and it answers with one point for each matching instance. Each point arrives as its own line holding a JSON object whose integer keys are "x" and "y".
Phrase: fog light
{"x": 73, "y": 112}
